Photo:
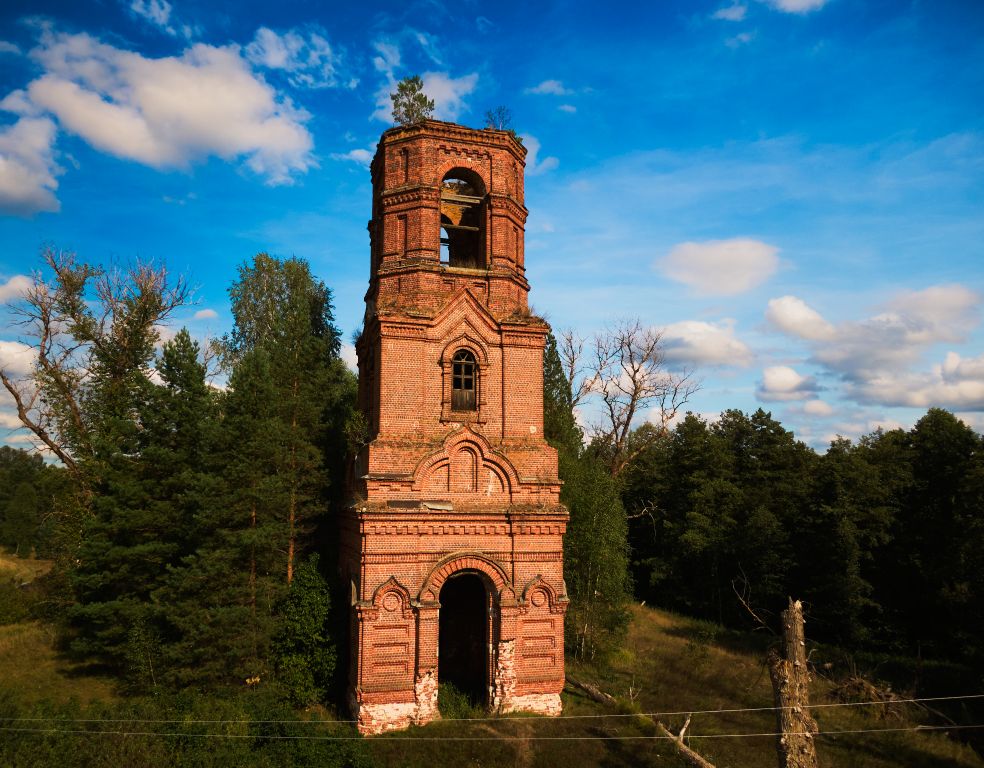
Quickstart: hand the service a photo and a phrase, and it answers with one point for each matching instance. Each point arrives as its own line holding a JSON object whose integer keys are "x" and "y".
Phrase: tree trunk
{"x": 790, "y": 686}
{"x": 686, "y": 752}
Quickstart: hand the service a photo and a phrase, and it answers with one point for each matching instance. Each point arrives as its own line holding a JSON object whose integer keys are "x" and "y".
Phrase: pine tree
{"x": 280, "y": 309}
{"x": 410, "y": 103}
{"x": 222, "y": 596}
{"x": 144, "y": 504}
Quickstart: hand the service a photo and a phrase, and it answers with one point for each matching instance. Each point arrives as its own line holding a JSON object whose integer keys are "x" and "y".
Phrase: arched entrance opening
{"x": 463, "y": 636}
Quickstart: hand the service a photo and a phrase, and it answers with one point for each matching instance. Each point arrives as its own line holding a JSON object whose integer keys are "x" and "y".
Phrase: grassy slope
{"x": 672, "y": 663}
{"x": 30, "y": 667}
{"x": 669, "y": 663}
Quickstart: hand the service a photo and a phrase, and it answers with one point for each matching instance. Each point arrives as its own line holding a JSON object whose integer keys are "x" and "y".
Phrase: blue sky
{"x": 793, "y": 190}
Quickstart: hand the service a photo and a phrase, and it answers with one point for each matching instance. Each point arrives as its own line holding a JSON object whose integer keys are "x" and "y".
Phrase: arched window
{"x": 464, "y": 380}
{"x": 462, "y": 217}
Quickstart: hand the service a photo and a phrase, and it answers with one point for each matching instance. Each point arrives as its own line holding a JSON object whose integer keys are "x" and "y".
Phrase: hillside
{"x": 669, "y": 664}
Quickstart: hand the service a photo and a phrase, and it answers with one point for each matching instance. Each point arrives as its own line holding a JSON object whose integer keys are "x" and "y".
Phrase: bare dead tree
{"x": 80, "y": 323}
{"x": 790, "y": 684}
{"x": 625, "y": 368}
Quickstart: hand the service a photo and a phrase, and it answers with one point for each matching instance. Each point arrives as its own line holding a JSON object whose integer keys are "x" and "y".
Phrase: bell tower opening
{"x": 462, "y": 220}
{"x": 463, "y": 636}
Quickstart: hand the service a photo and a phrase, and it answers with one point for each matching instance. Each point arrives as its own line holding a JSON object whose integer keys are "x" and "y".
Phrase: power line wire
{"x": 500, "y": 717}
{"x": 630, "y": 737}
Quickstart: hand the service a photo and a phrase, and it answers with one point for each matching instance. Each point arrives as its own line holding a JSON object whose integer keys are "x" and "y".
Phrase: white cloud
{"x": 782, "y": 383}
{"x": 721, "y": 267}
{"x": 818, "y": 408}
{"x": 349, "y": 357}
{"x": 535, "y": 166}
{"x": 388, "y": 58}
{"x": 428, "y": 44}
{"x": 170, "y": 112}
{"x": 797, "y": 6}
{"x": 793, "y": 316}
{"x": 206, "y": 314}
{"x": 448, "y": 92}
{"x": 937, "y": 313}
{"x": 27, "y": 167}
{"x": 879, "y": 347}
{"x": 734, "y": 12}
{"x": 17, "y": 359}
{"x": 308, "y": 59}
{"x": 569, "y": 108}
{"x": 15, "y": 287}
{"x": 742, "y": 38}
{"x": 552, "y": 87}
{"x": 695, "y": 342}
{"x": 157, "y": 12}
{"x": 361, "y": 156}
{"x": 876, "y": 356}
{"x": 6, "y": 47}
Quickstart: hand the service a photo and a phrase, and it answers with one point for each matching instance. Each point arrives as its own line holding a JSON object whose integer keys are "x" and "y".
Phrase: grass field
{"x": 674, "y": 664}
{"x": 669, "y": 664}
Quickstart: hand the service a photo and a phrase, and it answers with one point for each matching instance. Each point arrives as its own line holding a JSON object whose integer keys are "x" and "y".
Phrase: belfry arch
{"x": 455, "y": 499}
{"x": 463, "y": 216}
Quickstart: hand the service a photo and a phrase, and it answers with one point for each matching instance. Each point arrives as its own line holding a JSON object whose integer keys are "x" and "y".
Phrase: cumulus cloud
{"x": 569, "y": 108}
{"x": 818, "y": 408}
{"x": 206, "y": 314}
{"x": 695, "y": 342}
{"x": 448, "y": 92}
{"x": 6, "y": 47}
{"x": 721, "y": 267}
{"x": 28, "y": 169}
{"x": 551, "y": 87}
{"x": 886, "y": 342}
{"x": 307, "y": 58}
{"x": 534, "y": 165}
{"x": 794, "y": 317}
{"x": 349, "y": 357}
{"x": 157, "y": 12}
{"x": 17, "y": 359}
{"x": 733, "y": 12}
{"x": 15, "y": 287}
{"x": 172, "y": 111}
{"x": 782, "y": 383}
{"x": 876, "y": 357}
{"x": 361, "y": 156}
{"x": 796, "y": 6}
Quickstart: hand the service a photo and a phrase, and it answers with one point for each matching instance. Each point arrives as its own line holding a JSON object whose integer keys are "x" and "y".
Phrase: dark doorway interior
{"x": 463, "y": 636}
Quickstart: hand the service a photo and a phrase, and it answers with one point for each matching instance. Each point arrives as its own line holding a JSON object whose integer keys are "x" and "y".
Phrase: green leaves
{"x": 410, "y": 103}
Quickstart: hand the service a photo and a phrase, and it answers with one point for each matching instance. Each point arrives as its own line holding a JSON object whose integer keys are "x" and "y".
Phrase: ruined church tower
{"x": 453, "y": 541}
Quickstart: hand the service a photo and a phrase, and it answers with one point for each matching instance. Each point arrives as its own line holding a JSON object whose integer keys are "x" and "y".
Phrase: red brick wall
{"x": 437, "y": 489}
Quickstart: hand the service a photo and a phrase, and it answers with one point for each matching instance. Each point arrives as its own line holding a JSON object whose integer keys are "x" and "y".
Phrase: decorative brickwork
{"x": 456, "y": 478}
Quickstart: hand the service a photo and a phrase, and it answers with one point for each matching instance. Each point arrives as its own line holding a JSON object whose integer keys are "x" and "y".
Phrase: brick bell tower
{"x": 453, "y": 540}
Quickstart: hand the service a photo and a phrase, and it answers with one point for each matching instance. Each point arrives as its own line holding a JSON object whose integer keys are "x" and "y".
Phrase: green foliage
{"x": 248, "y": 728}
{"x": 559, "y": 426}
{"x": 595, "y": 556}
{"x": 875, "y": 537}
{"x": 303, "y": 649}
{"x": 456, "y": 705}
{"x": 410, "y": 103}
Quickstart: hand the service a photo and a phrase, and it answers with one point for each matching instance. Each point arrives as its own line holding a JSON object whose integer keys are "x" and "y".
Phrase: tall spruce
{"x": 279, "y": 309}
{"x": 144, "y": 505}
{"x": 223, "y": 595}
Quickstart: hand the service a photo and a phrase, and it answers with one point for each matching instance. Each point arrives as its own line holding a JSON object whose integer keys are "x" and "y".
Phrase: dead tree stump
{"x": 790, "y": 686}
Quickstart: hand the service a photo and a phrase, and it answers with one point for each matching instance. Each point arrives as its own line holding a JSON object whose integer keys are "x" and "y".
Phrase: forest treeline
{"x": 193, "y": 526}
{"x": 187, "y": 519}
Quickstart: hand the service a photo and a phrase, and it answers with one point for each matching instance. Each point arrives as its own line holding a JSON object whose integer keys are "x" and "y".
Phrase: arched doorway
{"x": 463, "y": 636}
